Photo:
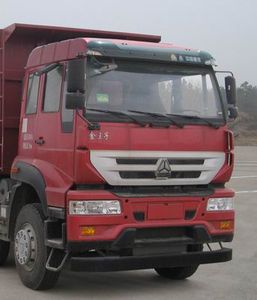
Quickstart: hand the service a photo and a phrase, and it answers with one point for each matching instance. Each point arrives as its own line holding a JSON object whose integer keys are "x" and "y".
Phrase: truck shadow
{"x": 120, "y": 285}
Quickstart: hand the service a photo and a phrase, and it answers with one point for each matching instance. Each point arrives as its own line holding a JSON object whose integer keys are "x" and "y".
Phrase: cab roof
{"x": 52, "y": 44}
{"x": 143, "y": 50}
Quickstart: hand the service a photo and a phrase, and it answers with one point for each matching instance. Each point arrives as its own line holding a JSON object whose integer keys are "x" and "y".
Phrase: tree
{"x": 247, "y": 98}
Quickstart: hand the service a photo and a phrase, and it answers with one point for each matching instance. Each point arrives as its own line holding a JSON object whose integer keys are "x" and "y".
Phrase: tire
{"x": 178, "y": 273}
{"x": 4, "y": 251}
{"x": 30, "y": 251}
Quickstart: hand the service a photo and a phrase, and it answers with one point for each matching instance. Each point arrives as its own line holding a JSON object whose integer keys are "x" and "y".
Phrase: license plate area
{"x": 165, "y": 211}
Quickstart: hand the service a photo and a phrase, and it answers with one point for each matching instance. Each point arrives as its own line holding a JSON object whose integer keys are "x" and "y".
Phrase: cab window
{"x": 32, "y": 94}
{"x": 52, "y": 95}
{"x": 67, "y": 114}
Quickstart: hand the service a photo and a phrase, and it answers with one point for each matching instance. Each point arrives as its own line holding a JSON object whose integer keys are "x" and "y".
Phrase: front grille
{"x": 157, "y": 168}
{"x": 136, "y": 175}
{"x": 186, "y": 161}
{"x": 136, "y": 161}
{"x": 149, "y": 161}
{"x": 147, "y": 175}
{"x": 161, "y": 233}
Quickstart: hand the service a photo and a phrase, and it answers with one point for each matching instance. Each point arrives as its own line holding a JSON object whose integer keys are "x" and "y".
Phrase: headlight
{"x": 105, "y": 207}
{"x": 215, "y": 204}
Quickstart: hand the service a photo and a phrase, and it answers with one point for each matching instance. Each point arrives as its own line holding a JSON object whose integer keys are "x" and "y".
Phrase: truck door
{"x": 27, "y": 146}
{"x": 55, "y": 134}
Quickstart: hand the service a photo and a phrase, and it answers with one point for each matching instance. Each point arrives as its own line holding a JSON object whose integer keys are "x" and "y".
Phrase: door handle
{"x": 40, "y": 141}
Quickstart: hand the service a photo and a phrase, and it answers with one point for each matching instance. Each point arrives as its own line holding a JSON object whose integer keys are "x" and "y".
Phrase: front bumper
{"x": 118, "y": 263}
{"x": 151, "y": 232}
{"x": 158, "y": 238}
{"x": 148, "y": 212}
{"x": 148, "y": 251}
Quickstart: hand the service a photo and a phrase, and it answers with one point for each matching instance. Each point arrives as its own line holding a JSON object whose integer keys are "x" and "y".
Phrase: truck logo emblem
{"x": 163, "y": 169}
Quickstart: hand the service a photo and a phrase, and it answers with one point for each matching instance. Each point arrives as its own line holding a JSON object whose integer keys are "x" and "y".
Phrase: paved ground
{"x": 233, "y": 280}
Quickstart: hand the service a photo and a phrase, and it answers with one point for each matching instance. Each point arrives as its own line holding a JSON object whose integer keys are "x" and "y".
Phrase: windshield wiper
{"x": 118, "y": 113}
{"x": 168, "y": 117}
{"x": 97, "y": 67}
{"x": 102, "y": 70}
{"x": 208, "y": 122}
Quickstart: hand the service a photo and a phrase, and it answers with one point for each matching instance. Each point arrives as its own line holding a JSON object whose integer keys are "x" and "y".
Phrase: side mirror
{"x": 75, "y": 101}
{"x": 232, "y": 112}
{"x": 75, "y": 97}
{"x": 230, "y": 86}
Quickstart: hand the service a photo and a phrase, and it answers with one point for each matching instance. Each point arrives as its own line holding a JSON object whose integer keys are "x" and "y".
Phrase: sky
{"x": 225, "y": 28}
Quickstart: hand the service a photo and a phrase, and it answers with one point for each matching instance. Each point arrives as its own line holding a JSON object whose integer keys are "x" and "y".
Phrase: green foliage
{"x": 247, "y": 98}
{"x": 245, "y": 126}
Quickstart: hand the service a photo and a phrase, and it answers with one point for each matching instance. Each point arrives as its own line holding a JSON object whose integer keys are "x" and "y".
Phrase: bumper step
{"x": 117, "y": 263}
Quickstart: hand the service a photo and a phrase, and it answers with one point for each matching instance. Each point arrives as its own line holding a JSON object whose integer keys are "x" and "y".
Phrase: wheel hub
{"x": 25, "y": 246}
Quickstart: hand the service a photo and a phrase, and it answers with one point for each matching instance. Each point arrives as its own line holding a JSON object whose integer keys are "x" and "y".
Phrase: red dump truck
{"x": 115, "y": 153}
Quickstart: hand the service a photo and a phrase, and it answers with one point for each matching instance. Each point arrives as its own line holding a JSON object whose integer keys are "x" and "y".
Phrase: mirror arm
{"x": 90, "y": 125}
{"x": 225, "y": 72}
{"x": 234, "y": 109}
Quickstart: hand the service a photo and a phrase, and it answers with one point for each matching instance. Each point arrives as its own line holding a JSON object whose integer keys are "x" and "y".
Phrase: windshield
{"x": 122, "y": 85}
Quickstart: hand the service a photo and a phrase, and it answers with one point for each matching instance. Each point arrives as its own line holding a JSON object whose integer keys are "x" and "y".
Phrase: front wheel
{"x": 30, "y": 251}
{"x": 4, "y": 251}
{"x": 177, "y": 273}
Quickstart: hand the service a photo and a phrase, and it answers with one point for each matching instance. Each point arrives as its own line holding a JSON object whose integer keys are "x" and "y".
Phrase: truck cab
{"x": 122, "y": 160}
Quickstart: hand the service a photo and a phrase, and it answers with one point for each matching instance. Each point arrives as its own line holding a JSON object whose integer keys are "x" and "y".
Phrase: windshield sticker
{"x": 180, "y": 58}
{"x": 193, "y": 59}
{"x": 173, "y": 57}
{"x": 102, "y": 98}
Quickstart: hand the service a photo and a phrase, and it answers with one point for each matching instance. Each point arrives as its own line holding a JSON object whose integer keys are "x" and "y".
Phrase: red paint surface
{"x": 165, "y": 211}
{"x": 109, "y": 227}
